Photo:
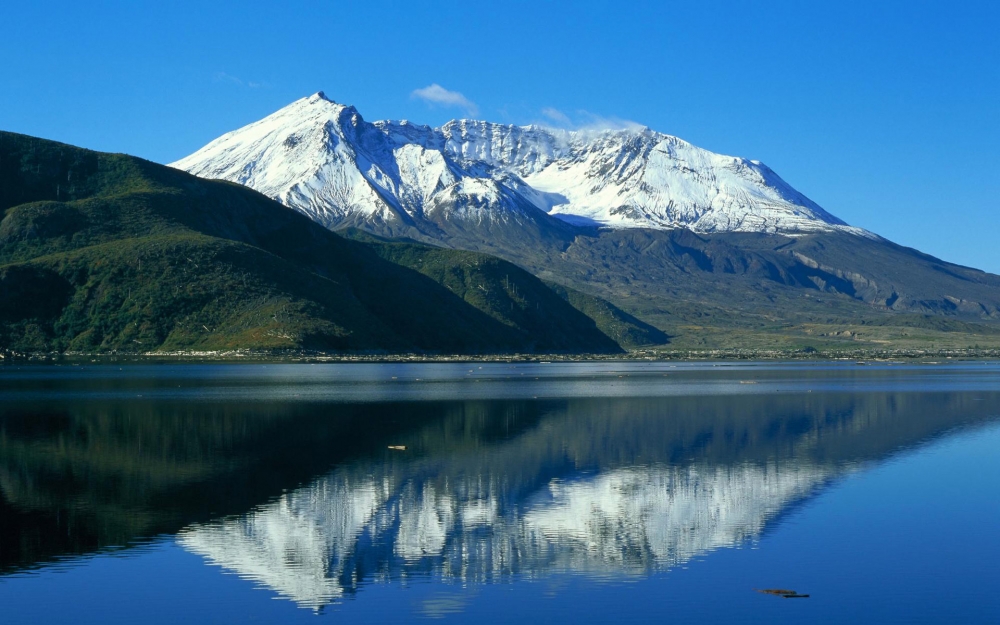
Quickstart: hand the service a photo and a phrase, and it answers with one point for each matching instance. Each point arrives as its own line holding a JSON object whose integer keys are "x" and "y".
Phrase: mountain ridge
{"x": 323, "y": 159}
{"x": 708, "y": 269}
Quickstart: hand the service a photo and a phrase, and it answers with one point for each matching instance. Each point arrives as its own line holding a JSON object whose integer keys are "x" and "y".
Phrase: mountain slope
{"x": 108, "y": 252}
{"x": 695, "y": 243}
{"x": 507, "y": 291}
{"x": 721, "y": 289}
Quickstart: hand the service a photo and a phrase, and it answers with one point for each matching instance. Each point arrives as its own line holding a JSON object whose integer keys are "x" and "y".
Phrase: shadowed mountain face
{"x": 104, "y": 252}
{"x": 286, "y": 484}
{"x": 814, "y": 277}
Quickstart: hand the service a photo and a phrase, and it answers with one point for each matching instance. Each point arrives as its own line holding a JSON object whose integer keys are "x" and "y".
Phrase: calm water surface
{"x": 583, "y": 493}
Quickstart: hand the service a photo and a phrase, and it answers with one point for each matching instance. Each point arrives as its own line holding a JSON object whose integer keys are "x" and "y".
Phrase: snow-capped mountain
{"x": 324, "y": 160}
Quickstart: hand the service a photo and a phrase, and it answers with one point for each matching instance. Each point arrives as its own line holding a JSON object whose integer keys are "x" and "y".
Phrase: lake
{"x": 610, "y": 492}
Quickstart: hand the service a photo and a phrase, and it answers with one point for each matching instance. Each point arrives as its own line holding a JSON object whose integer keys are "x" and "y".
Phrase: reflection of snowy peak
{"x": 323, "y": 159}
{"x": 631, "y": 519}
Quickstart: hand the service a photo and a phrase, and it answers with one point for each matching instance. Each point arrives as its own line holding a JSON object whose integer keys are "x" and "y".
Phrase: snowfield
{"x": 323, "y": 159}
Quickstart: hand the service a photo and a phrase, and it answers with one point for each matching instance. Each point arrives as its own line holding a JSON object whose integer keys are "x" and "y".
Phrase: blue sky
{"x": 885, "y": 113}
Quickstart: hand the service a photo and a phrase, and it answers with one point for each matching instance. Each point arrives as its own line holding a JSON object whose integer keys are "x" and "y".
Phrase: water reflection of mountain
{"x": 317, "y": 543}
{"x": 485, "y": 489}
{"x": 596, "y": 486}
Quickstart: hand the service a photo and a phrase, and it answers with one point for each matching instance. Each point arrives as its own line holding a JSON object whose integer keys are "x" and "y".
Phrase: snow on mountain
{"x": 324, "y": 160}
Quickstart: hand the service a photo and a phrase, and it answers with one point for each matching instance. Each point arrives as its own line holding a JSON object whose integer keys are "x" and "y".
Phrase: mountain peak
{"x": 331, "y": 164}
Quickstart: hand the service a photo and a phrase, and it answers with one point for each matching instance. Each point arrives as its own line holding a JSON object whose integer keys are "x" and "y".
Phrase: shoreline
{"x": 290, "y": 357}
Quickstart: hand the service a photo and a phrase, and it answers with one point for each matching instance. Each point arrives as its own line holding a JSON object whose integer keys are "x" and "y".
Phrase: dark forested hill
{"x": 102, "y": 252}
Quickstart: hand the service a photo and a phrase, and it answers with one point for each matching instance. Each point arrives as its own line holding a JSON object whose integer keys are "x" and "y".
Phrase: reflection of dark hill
{"x": 74, "y": 479}
{"x": 603, "y": 434}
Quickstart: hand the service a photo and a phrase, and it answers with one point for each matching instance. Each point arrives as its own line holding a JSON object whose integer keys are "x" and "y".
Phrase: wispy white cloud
{"x": 557, "y": 116}
{"x": 592, "y": 121}
{"x": 585, "y": 120}
{"x": 436, "y": 94}
{"x": 224, "y": 77}
{"x": 236, "y": 80}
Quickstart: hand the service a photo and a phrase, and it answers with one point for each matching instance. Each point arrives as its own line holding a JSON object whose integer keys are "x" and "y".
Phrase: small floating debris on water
{"x": 775, "y": 591}
{"x": 782, "y": 592}
{"x": 397, "y": 447}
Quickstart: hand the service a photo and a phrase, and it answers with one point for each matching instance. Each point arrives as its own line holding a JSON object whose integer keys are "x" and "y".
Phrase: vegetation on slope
{"x": 102, "y": 252}
{"x": 506, "y": 292}
{"x": 625, "y": 329}
{"x": 765, "y": 291}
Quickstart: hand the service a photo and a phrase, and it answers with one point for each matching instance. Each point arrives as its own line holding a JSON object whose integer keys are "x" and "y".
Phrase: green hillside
{"x": 104, "y": 252}
{"x": 507, "y": 292}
